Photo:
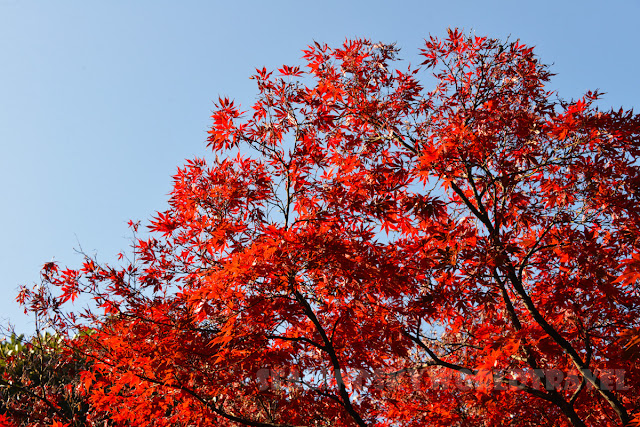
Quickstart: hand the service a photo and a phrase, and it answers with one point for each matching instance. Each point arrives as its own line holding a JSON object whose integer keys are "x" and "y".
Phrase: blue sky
{"x": 100, "y": 102}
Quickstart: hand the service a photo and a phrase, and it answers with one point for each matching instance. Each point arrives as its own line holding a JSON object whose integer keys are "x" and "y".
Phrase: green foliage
{"x": 40, "y": 382}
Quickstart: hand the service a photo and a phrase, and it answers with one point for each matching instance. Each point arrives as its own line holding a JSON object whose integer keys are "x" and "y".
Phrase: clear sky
{"x": 101, "y": 101}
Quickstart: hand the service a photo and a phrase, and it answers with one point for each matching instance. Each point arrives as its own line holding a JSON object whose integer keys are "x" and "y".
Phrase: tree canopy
{"x": 378, "y": 244}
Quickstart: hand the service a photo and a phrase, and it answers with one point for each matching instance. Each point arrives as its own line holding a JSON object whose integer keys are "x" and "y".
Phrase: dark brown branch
{"x": 329, "y": 349}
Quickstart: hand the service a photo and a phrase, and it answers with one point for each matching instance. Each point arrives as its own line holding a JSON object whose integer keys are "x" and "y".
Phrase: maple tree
{"x": 363, "y": 250}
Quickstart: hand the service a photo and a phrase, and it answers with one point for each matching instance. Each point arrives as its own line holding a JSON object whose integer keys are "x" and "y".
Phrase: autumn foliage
{"x": 361, "y": 248}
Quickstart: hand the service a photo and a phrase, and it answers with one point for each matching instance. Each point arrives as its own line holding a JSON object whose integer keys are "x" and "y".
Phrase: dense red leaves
{"x": 364, "y": 251}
